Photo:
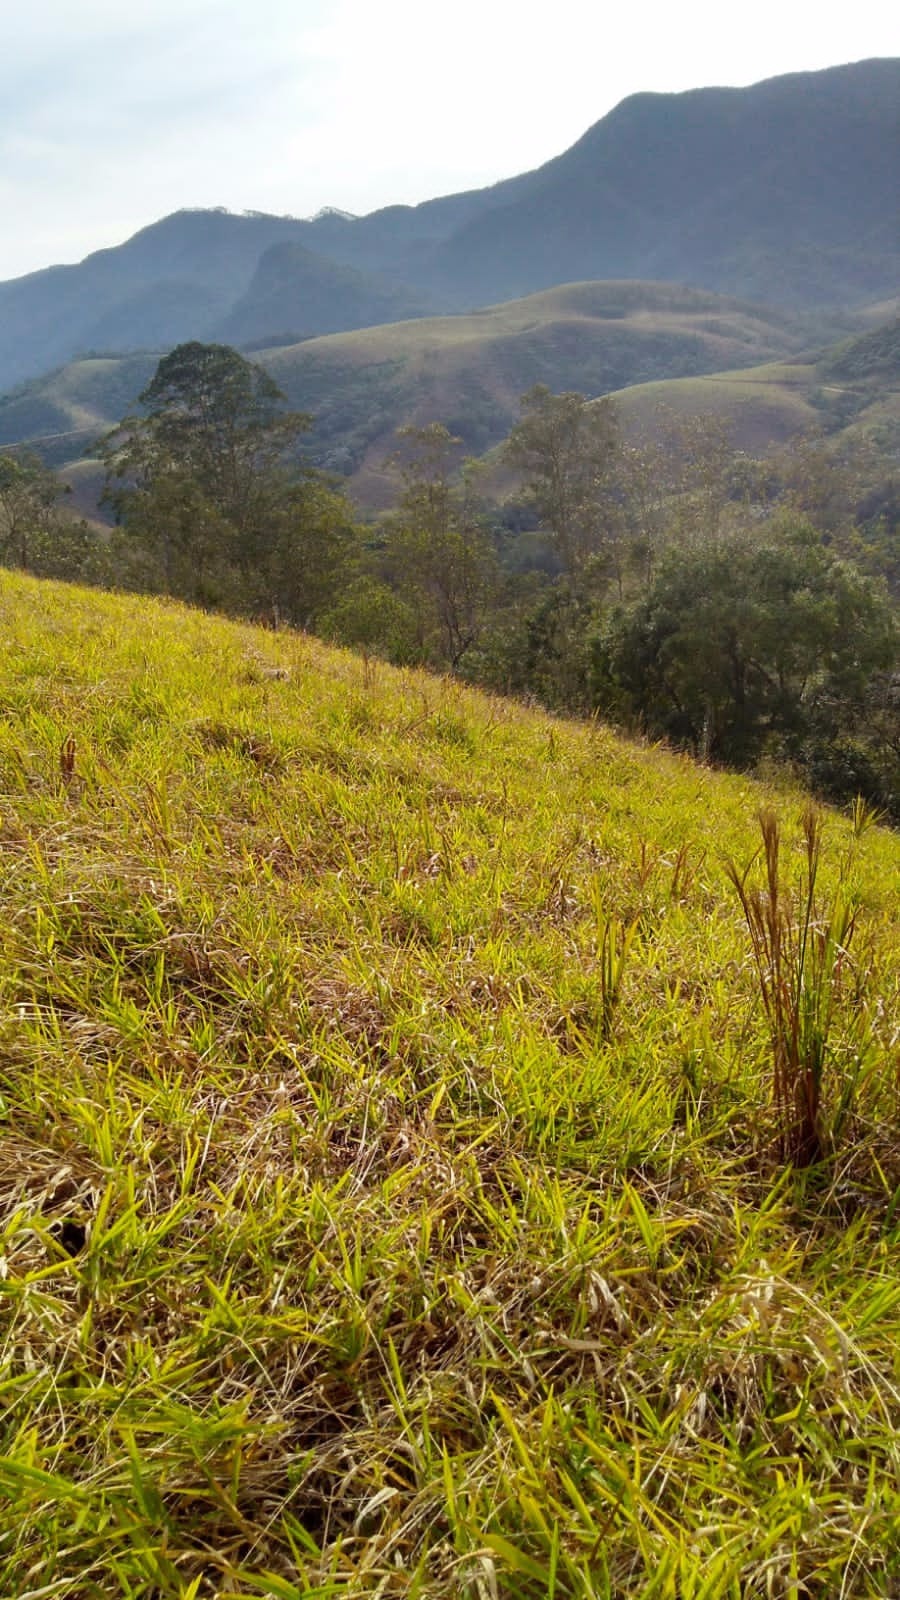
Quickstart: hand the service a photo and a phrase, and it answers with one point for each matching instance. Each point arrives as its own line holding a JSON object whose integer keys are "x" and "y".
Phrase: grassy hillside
{"x": 856, "y": 385}
{"x": 467, "y": 371}
{"x": 63, "y": 413}
{"x": 470, "y": 371}
{"x": 390, "y": 1203}
{"x": 763, "y": 405}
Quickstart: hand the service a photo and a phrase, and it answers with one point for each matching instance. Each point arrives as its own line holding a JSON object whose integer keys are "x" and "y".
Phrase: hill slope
{"x": 782, "y": 192}
{"x": 854, "y": 385}
{"x": 374, "y": 1220}
{"x": 468, "y": 372}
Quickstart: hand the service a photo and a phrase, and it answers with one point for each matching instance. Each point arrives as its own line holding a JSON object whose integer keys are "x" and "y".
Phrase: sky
{"x": 112, "y": 115}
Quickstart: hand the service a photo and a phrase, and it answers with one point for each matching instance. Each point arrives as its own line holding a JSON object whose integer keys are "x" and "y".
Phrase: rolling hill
{"x": 467, "y": 371}
{"x": 784, "y": 192}
{"x": 470, "y": 372}
{"x": 852, "y": 386}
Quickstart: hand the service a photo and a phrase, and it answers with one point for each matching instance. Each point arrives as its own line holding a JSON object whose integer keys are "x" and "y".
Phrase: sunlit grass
{"x": 391, "y": 1193}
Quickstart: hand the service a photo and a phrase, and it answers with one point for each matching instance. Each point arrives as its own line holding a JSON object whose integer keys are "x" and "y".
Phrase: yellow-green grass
{"x": 374, "y": 1221}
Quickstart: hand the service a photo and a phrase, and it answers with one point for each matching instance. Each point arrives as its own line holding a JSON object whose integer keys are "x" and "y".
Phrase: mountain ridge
{"x": 780, "y": 192}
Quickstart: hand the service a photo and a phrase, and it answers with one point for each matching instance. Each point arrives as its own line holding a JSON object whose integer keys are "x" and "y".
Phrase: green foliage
{"x": 36, "y": 534}
{"x": 368, "y": 615}
{"x": 437, "y": 549}
{"x": 754, "y": 642}
{"x": 567, "y": 450}
{"x": 200, "y": 480}
{"x": 213, "y": 420}
{"x": 29, "y": 501}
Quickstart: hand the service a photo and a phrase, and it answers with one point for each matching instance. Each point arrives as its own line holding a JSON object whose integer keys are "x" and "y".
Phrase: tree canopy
{"x": 748, "y": 642}
{"x": 204, "y": 476}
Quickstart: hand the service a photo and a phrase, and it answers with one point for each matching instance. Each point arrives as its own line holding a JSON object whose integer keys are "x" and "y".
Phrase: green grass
{"x": 391, "y": 1196}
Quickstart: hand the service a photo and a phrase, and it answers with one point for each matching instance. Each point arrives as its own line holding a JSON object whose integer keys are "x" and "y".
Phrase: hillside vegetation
{"x": 392, "y": 1191}
{"x": 470, "y": 371}
{"x": 651, "y": 345}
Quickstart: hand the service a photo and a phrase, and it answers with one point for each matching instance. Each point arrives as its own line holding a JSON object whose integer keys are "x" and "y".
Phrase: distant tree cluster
{"x": 37, "y": 533}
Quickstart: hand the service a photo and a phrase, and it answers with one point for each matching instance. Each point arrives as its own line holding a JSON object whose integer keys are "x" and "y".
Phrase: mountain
{"x": 783, "y": 192}
{"x": 296, "y": 294}
{"x": 192, "y": 275}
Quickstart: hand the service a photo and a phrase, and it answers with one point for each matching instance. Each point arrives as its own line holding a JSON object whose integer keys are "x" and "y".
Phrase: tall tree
{"x": 202, "y": 478}
{"x": 29, "y": 507}
{"x": 213, "y": 419}
{"x": 438, "y": 551}
{"x": 568, "y": 450}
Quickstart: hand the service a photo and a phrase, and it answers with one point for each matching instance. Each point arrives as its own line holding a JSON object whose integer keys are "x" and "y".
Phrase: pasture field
{"x": 391, "y": 1194}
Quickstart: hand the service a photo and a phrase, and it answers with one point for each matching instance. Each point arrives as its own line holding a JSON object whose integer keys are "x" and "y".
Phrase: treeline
{"x": 740, "y": 609}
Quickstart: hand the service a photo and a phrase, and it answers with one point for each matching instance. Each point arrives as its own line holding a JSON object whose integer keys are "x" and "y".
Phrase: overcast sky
{"x": 113, "y": 114}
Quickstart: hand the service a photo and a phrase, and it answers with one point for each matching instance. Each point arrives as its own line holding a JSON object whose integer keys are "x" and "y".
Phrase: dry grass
{"x": 802, "y": 956}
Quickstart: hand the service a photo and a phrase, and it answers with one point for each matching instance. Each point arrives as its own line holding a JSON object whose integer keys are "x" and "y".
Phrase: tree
{"x": 568, "y": 449}
{"x": 309, "y": 551}
{"x": 199, "y": 469}
{"x": 437, "y": 549}
{"x": 29, "y": 507}
{"x": 201, "y": 478}
{"x": 217, "y": 419}
{"x": 752, "y": 643}
{"x": 368, "y": 615}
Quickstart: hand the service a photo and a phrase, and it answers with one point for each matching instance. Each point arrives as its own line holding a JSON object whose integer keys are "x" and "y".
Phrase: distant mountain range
{"x": 782, "y": 193}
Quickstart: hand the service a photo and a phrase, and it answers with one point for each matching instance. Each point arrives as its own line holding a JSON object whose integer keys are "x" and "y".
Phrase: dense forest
{"x": 739, "y": 608}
